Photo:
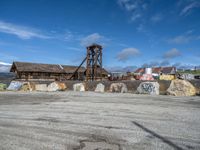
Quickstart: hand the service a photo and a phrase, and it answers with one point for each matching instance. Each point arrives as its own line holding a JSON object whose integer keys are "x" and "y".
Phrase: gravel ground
{"x": 95, "y": 121}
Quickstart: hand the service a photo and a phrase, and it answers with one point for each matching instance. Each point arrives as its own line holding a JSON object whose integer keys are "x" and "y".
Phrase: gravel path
{"x": 95, "y": 121}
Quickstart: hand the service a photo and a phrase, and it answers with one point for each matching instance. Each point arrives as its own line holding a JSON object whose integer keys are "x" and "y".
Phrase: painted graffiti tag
{"x": 148, "y": 87}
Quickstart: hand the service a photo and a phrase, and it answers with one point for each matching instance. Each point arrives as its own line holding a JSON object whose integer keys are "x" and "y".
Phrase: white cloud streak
{"x": 184, "y": 38}
{"x": 134, "y": 7}
{"x": 172, "y": 53}
{"x": 187, "y": 9}
{"x": 21, "y": 31}
{"x": 91, "y": 39}
{"x": 4, "y": 63}
{"x": 181, "y": 39}
{"x": 127, "y": 53}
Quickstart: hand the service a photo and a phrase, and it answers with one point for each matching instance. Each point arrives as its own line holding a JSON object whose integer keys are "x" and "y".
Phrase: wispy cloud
{"x": 21, "y": 31}
{"x": 91, "y": 39}
{"x": 156, "y": 18}
{"x": 172, "y": 53}
{"x": 188, "y": 8}
{"x": 74, "y": 49}
{"x": 181, "y": 39}
{"x": 127, "y": 53}
{"x": 4, "y": 63}
{"x": 134, "y": 7}
{"x": 184, "y": 38}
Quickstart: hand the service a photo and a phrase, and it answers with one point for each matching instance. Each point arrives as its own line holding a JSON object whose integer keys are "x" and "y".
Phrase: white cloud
{"x": 172, "y": 53}
{"x": 184, "y": 38}
{"x": 91, "y": 39}
{"x": 21, "y": 31}
{"x": 4, "y": 63}
{"x": 181, "y": 39}
{"x": 187, "y": 9}
{"x": 127, "y": 53}
{"x": 134, "y": 7}
{"x": 135, "y": 16}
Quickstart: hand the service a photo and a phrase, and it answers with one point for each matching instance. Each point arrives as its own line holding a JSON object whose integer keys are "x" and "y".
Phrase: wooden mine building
{"x": 37, "y": 71}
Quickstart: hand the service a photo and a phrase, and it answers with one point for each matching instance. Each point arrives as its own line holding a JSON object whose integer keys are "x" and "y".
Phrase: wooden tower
{"x": 94, "y": 62}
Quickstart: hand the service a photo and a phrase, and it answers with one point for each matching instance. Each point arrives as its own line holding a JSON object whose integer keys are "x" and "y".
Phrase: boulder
{"x": 118, "y": 88}
{"x": 15, "y": 85}
{"x": 79, "y": 87}
{"x": 181, "y": 88}
{"x": 56, "y": 86}
{"x": 151, "y": 88}
{"x": 100, "y": 88}
{"x": 2, "y": 87}
{"x": 41, "y": 87}
{"x": 27, "y": 86}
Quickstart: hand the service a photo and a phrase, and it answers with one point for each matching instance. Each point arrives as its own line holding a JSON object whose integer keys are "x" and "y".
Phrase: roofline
{"x": 14, "y": 62}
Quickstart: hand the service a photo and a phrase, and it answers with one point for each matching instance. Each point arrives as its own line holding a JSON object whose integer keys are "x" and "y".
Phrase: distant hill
{"x": 6, "y": 77}
{"x": 4, "y": 67}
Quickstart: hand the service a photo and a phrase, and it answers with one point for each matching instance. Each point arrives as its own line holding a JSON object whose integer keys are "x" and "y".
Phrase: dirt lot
{"x": 94, "y": 121}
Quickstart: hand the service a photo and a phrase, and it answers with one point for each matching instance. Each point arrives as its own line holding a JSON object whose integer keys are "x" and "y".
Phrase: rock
{"x": 118, "y": 88}
{"x": 79, "y": 87}
{"x": 181, "y": 88}
{"x": 100, "y": 88}
{"x": 27, "y": 86}
{"x": 56, "y": 86}
{"x": 15, "y": 86}
{"x": 41, "y": 87}
{"x": 3, "y": 87}
{"x": 151, "y": 88}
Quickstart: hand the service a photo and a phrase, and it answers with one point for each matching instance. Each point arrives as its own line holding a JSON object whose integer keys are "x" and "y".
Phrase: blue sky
{"x": 132, "y": 32}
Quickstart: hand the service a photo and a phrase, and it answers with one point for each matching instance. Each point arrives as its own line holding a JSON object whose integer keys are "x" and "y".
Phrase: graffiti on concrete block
{"x": 148, "y": 87}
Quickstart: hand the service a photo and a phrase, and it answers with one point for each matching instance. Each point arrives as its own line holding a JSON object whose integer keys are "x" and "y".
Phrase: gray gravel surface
{"x": 95, "y": 121}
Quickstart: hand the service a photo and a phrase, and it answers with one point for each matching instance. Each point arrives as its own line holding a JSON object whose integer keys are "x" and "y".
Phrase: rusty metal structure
{"x": 93, "y": 63}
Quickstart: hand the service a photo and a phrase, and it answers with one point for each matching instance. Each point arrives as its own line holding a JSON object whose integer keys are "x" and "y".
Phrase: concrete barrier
{"x": 131, "y": 85}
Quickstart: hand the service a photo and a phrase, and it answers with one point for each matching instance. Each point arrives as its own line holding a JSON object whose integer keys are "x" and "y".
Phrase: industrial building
{"x": 55, "y": 72}
{"x": 158, "y": 71}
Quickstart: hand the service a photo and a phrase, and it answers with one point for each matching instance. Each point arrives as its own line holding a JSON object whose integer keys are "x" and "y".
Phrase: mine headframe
{"x": 93, "y": 63}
